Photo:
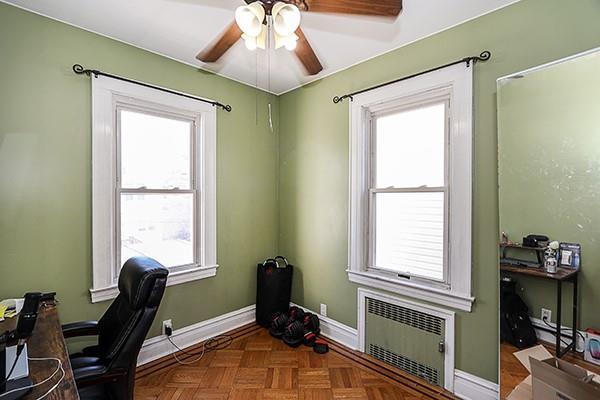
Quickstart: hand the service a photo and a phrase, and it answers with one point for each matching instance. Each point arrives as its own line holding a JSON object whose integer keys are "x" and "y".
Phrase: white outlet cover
{"x": 548, "y": 313}
{"x": 165, "y": 324}
{"x": 323, "y": 310}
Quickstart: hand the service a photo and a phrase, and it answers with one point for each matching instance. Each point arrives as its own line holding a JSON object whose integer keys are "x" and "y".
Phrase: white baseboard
{"x": 335, "y": 330}
{"x": 471, "y": 387}
{"x": 157, "y": 347}
{"x": 550, "y": 338}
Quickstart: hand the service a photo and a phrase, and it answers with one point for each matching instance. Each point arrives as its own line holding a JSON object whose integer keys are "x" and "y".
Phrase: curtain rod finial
{"x": 78, "y": 69}
{"x": 485, "y": 55}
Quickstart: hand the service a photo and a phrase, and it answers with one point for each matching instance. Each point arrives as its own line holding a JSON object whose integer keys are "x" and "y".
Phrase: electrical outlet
{"x": 546, "y": 315}
{"x": 323, "y": 310}
{"x": 167, "y": 327}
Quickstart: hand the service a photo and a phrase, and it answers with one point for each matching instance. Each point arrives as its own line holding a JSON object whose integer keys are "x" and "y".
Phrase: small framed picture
{"x": 569, "y": 255}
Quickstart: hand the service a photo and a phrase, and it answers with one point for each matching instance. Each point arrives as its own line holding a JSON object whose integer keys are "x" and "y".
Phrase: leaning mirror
{"x": 549, "y": 205}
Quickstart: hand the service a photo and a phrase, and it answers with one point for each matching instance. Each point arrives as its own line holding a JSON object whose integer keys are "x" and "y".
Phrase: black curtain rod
{"x": 78, "y": 69}
{"x": 484, "y": 56}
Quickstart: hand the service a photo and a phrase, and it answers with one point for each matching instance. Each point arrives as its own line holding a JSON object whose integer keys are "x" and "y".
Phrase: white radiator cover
{"x": 447, "y": 319}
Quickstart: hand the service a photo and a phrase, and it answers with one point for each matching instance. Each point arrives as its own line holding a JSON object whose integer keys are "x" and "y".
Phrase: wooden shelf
{"x": 519, "y": 246}
{"x": 562, "y": 274}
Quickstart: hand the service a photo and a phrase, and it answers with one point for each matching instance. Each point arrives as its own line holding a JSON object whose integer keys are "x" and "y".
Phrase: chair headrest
{"x": 137, "y": 279}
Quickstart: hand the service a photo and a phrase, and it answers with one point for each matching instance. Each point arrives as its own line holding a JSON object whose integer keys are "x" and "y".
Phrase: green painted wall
{"x": 314, "y": 157}
{"x": 45, "y": 169}
{"x": 549, "y": 172}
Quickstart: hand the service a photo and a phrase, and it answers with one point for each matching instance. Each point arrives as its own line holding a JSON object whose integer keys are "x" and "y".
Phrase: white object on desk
{"x": 22, "y": 368}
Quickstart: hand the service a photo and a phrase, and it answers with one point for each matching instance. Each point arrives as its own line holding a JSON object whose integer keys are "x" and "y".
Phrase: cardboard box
{"x": 592, "y": 347}
{"x": 555, "y": 379}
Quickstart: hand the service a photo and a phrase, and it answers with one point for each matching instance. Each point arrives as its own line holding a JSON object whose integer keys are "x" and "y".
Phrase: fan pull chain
{"x": 256, "y": 86}
{"x": 269, "y": 49}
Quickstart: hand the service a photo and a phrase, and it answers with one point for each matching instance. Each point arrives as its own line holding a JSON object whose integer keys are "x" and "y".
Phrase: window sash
{"x": 119, "y": 190}
{"x": 418, "y": 102}
{"x": 121, "y": 106}
{"x": 371, "y": 235}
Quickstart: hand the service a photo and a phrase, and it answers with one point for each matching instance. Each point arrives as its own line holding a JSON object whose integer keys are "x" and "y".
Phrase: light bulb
{"x": 289, "y": 41}
{"x": 290, "y": 44}
{"x": 250, "y": 43}
{"x": 261, "y": 39}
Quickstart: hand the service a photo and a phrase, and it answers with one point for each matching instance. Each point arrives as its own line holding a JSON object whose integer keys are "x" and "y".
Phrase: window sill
{"x": 176, "y": 278}
{"x": 434, "y": 295}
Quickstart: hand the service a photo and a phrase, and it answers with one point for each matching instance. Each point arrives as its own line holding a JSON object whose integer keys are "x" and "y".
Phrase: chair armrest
{"x": 82, "y": 328}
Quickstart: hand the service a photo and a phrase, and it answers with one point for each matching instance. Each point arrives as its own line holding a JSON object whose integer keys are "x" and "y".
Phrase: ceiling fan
{"x": 259, "y": 20}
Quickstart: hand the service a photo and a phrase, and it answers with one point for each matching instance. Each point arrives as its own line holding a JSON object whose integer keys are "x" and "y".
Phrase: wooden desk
{"x": 562, "y": 275}
{"x": 47, "y": 341}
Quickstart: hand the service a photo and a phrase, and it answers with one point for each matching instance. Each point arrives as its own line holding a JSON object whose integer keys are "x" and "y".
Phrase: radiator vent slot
{"x": 405, "y": 364}
{"x": 403, "y": 315}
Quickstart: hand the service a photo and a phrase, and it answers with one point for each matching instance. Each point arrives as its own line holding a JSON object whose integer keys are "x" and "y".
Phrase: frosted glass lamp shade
{"x": 286, "y": 18}
{"x": 250, "y": 18}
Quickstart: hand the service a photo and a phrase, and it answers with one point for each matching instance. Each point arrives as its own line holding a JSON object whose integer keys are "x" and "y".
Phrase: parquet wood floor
{"x": 259, "y": 367}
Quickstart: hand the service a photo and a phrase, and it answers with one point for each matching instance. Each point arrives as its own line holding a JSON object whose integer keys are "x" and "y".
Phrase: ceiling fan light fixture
{"x": 261, "y": 39}
{"x": 256, "y": 42}
{"x": 250, "y": 42}
{"x": 291, "y": 45}
{"x": 289, "y": 41}
{"x": 286, "y": 18}
{"x": 250, "y": 18}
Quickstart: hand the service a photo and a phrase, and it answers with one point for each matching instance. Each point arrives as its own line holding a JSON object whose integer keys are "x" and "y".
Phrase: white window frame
{"x": 453, "y": 84}
{"x": 108, "y": 97}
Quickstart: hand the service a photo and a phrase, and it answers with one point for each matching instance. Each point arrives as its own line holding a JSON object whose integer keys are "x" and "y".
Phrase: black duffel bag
{"x": 515, "y": 325}
{"x": 273, "y": 288}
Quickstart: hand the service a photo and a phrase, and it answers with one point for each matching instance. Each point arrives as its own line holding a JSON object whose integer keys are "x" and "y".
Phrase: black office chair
{"x": 107, "y": 370}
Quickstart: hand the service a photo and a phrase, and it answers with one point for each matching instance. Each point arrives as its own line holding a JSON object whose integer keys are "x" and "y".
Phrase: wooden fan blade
{"x": 215, "y": 50}
{"x": 386, "y": 8}
{"x": 306, "y": 54}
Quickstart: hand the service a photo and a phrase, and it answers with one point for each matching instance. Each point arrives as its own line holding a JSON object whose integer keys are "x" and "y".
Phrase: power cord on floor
{"x": 59, "y": 367}
{"x": 215, "y": 343}
{"x": 544, "y": 320}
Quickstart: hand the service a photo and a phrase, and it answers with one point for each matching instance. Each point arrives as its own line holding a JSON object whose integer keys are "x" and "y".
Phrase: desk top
{"x": 562, "y": 274}
{"x": 47, "y": 340}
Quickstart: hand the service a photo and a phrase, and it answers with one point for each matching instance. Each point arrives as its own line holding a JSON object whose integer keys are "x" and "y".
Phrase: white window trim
{"x": 457, "y": 82}
{"x": 106, "y": 94}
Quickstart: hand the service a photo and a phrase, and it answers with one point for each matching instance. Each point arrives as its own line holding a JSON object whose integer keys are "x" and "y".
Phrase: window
{"x": 410, "y": 194}
{"x": 153, "y": 183}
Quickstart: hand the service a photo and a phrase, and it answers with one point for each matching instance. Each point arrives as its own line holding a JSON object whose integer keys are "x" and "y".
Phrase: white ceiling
{"x": 180, "y": 28}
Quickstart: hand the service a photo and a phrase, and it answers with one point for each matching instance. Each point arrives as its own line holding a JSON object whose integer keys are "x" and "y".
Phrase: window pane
{"x": 409, "y": 233}
{"x": 155, "y": 151}
{"x": 158, "y": 226}
{"x": 410, "y": 148}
